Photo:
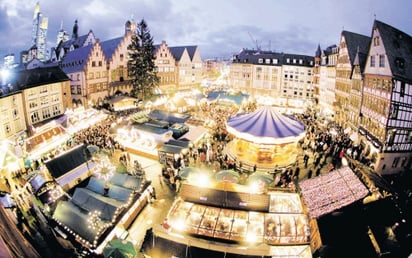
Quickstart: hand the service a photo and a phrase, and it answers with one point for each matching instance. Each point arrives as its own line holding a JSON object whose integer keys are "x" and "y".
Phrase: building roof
{"x": 109, "y": 46}
{"x": 332, "y": 191}
{"x": 177, "y": 52}
{"x": 24, "y": 79}
{"x": 356, "y": 43}
{"x": 260, "y": 57}
{"x": 191, "y": 50}
{"x": 398, "y": 47}
{"x": 76, "y": 60}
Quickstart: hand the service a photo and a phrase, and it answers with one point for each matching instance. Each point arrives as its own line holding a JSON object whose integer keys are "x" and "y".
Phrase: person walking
{"x": 310, "y": 173}
{"x": 306, "y": 159}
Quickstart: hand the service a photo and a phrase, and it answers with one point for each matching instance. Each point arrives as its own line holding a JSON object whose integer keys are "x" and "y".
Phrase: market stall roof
{"x": 329, "y": 192}
{"x": 168, "y": 116}
{"x": 266, "y": 126}
{"x": 236, "y": 97}
{"x": 195, "y": 134}
{"x": 123, "y": 102}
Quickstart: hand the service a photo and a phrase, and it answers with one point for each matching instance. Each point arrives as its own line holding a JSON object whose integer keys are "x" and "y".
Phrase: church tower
{"x": 130, "y": 26}
{"x": 39, "y": 33}
{"x": 62, "y": 35}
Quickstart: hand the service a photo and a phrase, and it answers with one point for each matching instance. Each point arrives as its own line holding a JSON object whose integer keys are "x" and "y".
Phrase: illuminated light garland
{"x": 55, "y": 194}
{"x": 104, "y": 170}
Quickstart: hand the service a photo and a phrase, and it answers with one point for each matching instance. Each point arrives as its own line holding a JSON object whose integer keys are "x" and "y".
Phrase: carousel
{"x": 264, "y": 138}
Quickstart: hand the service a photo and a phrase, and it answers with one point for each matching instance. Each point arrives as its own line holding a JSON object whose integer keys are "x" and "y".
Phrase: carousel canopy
{"x": 266, "y": 126}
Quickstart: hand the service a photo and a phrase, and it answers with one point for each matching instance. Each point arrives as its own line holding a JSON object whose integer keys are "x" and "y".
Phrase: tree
{"x": 141, "y": 64}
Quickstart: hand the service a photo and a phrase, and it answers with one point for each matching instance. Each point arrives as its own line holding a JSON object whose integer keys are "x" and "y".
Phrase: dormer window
{"x": 376, "y": 41}
{"x": 400, "y": 63}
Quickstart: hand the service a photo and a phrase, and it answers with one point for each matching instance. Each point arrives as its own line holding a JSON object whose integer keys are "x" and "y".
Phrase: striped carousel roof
{"x": 266, "y": 126}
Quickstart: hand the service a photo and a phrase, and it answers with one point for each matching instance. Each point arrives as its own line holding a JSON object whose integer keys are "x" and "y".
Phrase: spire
{"x": 75, "y": 34}
{"x": 318, "y": 51}
{"x": 36, "y": 10}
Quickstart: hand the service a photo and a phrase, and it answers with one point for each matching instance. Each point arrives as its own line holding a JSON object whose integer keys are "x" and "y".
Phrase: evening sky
{"x": 220, "y": 28}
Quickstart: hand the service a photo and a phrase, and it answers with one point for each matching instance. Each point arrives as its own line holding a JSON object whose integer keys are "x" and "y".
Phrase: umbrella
{"x": 226, "y": 186}
{"x": 260, "y": 177}
{"x": 185, "y": 172}
{"x": 119, "y": 248}
{"x": 228, "y": 175}
{"x": 93, "y": 148}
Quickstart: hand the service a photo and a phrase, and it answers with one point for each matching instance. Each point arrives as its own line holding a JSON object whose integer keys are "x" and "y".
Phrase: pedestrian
{"x": 310, "y": 173}
{"x": 306, "y": 159}
{"x": 296, "y": 173}
{"x": 317, "y": 171}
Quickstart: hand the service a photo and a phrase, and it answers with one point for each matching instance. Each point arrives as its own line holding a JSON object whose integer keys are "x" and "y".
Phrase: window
{"x": 395, "y": 111}
{"x": 275, "y": 61}
{"x": 402, "y": 91}
{"x": 381, "y": 61}
{"x": 372, "y": 64}
{"x": 395, "y": 162}
{"x": 260, "y": 60}
{"x": 376, "y": 41}
{"x": 93, "y": 63}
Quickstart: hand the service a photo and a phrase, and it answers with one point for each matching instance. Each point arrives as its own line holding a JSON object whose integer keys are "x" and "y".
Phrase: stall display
{"x": 224, "y": 224}
{"x": 208, "y": 223}
{"x": 239, "y": 227}
{"x": 194, "y": 218}
{"x": 255, "y": 226}
{"x": 281, "y": 228}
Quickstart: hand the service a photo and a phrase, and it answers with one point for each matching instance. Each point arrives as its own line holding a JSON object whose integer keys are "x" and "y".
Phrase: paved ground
{"x": 155, "y": 212}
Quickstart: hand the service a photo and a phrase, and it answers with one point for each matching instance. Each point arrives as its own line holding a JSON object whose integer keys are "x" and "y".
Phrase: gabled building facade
{"x": 327, "y": 81}
{"x": 87, "y": 70}
{"x": 166, "y": 68}
{"x": 116, "y": 53}
{"x": 189, "y": 67}
{"x": 76, "y": 41}
{"x": 348, "y": 101}
{"x": 387, "y": 99}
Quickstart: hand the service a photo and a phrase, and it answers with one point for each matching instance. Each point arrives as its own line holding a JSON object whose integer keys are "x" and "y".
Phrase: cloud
{"x": 219, "y": 28}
